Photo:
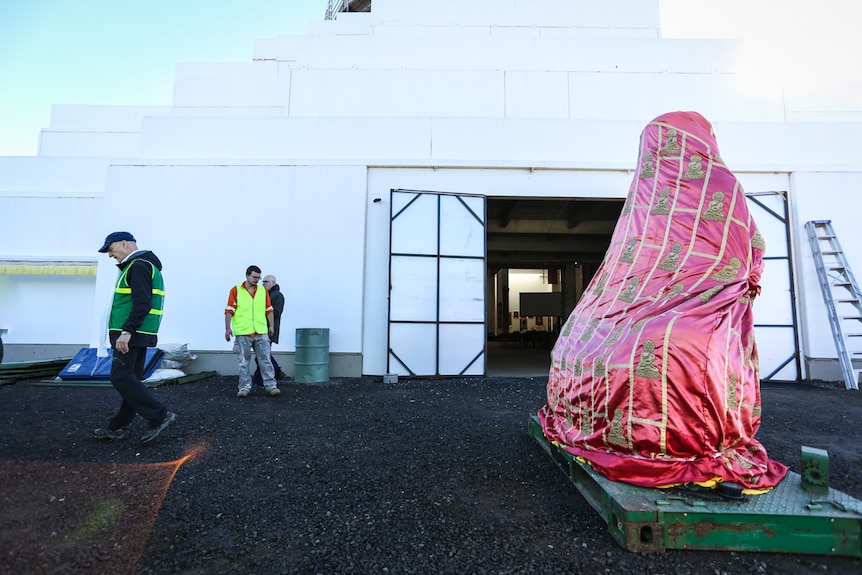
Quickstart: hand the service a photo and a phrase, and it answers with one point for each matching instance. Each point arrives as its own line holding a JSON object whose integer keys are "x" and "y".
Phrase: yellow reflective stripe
{"x": 156, "y": 312}
{"x": 46, "y": 268}
{"x": 129, "y": 290}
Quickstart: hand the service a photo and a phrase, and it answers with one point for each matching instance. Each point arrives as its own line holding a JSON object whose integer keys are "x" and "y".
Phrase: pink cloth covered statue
{"x": 654, "y": 378}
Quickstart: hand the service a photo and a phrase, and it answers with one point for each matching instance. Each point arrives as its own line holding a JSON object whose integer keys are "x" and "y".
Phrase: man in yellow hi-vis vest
{"x": 249, "y": 318}
{"x": 136, "y": 313}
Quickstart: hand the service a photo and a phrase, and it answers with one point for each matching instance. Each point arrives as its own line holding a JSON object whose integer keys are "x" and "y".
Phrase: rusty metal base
{"x": 787, "y": 519}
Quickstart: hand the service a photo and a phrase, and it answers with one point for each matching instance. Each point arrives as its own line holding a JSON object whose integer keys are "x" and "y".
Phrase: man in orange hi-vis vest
{"x": 248, "y": 317}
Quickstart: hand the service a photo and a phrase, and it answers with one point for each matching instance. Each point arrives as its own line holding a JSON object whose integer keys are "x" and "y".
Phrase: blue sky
{"x": 125, "y": 51}
{"x": 120, "y": 51}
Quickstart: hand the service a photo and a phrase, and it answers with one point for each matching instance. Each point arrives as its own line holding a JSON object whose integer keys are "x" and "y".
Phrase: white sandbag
{"x": 163, "y": 374}
{"x": 178, "y": 353}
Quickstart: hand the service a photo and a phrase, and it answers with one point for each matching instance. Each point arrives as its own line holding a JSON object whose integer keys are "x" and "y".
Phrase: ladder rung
{"x": 836, "y": 270}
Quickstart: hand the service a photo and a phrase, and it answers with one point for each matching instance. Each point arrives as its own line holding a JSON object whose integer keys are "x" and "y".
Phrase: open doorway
{"x": 526, "y": 321}
{"x": 541, "y": 254}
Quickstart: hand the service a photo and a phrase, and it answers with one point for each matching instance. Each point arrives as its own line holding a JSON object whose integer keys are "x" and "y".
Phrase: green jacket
{"x": 139, "y": 296}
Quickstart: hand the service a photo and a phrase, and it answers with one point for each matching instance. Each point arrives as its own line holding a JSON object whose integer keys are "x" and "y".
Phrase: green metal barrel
{"x": 312, "y": 355}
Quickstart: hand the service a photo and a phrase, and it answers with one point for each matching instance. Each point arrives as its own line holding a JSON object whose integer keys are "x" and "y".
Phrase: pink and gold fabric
{"x": 654, "y": 378}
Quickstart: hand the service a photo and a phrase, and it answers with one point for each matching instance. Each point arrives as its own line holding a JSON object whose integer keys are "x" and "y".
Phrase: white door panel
{"x": 436, "y": 284}
{"x": 775, "y": 324}
{"x": 412, "y": 349}
{"x": 462, "y": 290}
{"x": 414, "y": 296}
{"x": 414, "y": 224}
{"x": 462, "y": 345}
{"x": 465, "y": 230}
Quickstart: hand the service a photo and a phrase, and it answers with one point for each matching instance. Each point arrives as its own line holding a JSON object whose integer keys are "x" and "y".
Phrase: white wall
{"x": 209, "y": 223}
{"x": 610, "y": 13}
{"x": 313, "y": 139}
{"x": 50, "y": 227}
{"x": 824, "y": 196}
{"x": 252, "y": 84}
{"x": 96, "y": 131}
{"x": 47, "y": 309}
{"x": 449, "y": 48}
{"x": 100, "y": 144}
{"x": 25, "y": 177}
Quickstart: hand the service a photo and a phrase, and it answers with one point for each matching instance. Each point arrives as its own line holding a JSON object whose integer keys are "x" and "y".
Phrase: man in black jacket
{"x": 136, "y": 313}
{"x": 276, "y": 298}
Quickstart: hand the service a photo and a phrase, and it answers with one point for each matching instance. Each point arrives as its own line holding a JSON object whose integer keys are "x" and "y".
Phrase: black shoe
{"x": 154, "y": 432}
{"x": 105, "y": 433}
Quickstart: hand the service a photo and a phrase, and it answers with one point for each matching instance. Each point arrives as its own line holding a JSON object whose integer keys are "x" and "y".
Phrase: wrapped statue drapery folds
{"x": 654, "y": 378}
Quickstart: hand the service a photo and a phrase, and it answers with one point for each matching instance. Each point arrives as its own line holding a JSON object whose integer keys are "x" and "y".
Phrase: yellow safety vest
{"x": 250, "y": 315}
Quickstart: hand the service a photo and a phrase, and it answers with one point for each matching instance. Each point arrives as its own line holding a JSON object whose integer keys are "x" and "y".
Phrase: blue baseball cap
{"x": 116, "y": 237}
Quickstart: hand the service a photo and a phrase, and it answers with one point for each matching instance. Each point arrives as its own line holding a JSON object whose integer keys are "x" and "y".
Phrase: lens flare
{"x": 72, "y": 513}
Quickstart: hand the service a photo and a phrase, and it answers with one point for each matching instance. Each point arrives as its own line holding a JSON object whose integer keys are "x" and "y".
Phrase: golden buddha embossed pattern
{"x": 654, "y": 378}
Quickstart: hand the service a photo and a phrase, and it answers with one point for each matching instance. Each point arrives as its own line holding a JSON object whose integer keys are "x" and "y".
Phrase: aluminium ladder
{"x": 840, "y": 294}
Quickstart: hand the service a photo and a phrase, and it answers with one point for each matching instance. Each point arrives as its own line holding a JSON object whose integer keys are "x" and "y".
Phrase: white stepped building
{"x": 397, "y": 168}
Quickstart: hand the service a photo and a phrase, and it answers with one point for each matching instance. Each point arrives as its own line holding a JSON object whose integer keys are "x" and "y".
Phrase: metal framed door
{"x": 437, "y": 311}
{"x": 776, "y": 323}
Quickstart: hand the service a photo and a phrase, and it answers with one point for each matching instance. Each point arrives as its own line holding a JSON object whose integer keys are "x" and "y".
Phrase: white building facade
{"x": 366, "y": 165}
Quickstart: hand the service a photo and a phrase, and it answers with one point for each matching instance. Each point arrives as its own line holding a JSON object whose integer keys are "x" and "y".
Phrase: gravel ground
{"x": 351, "y": 476}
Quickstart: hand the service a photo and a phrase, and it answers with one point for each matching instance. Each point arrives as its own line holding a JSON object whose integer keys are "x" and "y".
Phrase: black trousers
{"x": 257, "y": 378}
{"x": 127, "y": 371}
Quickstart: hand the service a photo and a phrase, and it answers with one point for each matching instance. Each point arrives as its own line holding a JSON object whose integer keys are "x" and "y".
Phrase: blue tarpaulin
{"x": 86, "y": 365}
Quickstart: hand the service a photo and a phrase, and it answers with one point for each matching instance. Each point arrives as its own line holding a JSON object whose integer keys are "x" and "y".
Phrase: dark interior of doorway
{"x": 565, "y": 238}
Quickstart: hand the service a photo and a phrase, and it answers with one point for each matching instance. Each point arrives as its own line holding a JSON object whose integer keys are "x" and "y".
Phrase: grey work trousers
{"x": 243, "y": 346}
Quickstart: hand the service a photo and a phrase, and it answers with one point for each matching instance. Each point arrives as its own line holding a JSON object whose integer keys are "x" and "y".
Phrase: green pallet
{"x": 106, "y": 383}
{"x": 10, "y": 372}
{"x": 787, "y": 519}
